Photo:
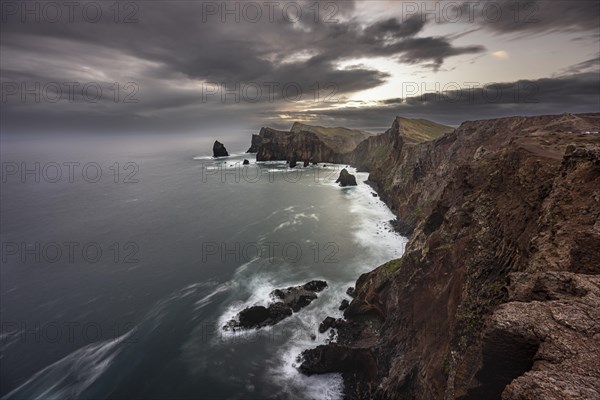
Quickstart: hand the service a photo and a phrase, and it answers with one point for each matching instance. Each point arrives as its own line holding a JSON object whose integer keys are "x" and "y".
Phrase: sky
{"x": 192, "y": 66}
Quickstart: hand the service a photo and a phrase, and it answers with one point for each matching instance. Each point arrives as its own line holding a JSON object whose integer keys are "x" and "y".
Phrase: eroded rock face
{"x": 496, "y": 294}
{"x": 346, "y": 178}
{"x": 219, "y": 150}
{"x": 255, "y": 144}
{"x": 286, "y": 302}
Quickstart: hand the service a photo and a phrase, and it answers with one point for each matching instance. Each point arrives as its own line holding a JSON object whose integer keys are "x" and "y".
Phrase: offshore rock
{"x": 346, "y": 178}
{"x": 219, "y": 150}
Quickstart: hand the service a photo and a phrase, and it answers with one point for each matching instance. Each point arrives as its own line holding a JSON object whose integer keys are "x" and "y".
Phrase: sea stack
{"x": 346, "y": 178}
{"x": 219, "y": 150}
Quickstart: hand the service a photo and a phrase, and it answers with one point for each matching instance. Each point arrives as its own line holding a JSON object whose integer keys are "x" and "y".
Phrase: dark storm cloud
{"x": 533, "y": 16}
{"x": 576, "y": 93}
{"x": 170, "y": 48}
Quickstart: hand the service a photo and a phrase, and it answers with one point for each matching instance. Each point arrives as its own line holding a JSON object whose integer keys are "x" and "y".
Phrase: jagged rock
{"x": 346, "y": 178}
{"x": 253, "y": 316}
{"x": 287, "y": 301}
{"x": 350, "y": 292}
{"x": 219, "y": 150}
{"x": 246, "y": 162}
{"x": 315, "y": 286}
{"x": 344, "y": 305}
{"x": 336, "y": 358}
{"x": 255, "y": 144}
{"x": 326, "y": 324}
{"x": 298, "y": 297}
{"x": 314, "y": 143}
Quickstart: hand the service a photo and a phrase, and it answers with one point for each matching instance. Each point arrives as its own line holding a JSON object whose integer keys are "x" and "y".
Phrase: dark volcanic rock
{"x": 219, "y": 150}
{"x": 256, "y": 142}
{"x": 344, "y": 305}
{"x": 297, "y": 297}
{"x": 337, "y": 358}
{"x": 253, "y": 316}
{"x": 288, "y": 301}
{"x": 246, "y": 162}
{"x": 346, "y": 178}
{"x": 315, "y": 286}
{"x": 326, "y": 324}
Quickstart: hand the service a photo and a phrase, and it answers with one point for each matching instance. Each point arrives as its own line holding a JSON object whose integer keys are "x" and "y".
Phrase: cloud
{"x": 577, "y": 93}
{"x": 501, "y": 54}
{"x": 533, "y": 16}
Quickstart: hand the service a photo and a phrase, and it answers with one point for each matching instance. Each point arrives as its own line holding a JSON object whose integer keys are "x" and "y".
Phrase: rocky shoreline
{"x": 497, "y": 294}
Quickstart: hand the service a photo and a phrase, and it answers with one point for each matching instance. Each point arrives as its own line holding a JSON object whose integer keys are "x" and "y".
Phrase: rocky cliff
{"x": 340, "y": 145}
{"x": 497, "y": 294}
{"x": 306, "y": 143}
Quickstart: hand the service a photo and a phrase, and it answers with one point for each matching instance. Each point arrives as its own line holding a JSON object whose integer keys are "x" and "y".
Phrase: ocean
{"x": 122, "y": 258}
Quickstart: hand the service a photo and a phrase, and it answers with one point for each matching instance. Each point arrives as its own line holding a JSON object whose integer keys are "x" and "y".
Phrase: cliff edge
{"x": 497, "y": 295}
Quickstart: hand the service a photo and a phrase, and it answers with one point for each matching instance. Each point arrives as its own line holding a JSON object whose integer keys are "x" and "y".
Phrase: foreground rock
{"x": 497, "y": 294}
{"x": 346, "y": 178}
{"x": 219, "y": 150}
{"x": 286, "y": 302}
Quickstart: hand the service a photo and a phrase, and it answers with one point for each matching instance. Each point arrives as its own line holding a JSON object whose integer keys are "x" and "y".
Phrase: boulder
{"x": 315, "y": 286}
{"x": 344, "y": 305}
{"x": 246, "y": 162}
{"x": 350, "y": 292}
{"x": 306, "y": 163}
{"x": 326, "y": 324}
{"x": 286, "y": 302}
{"x": 346, "y": 178}
{"x": 253, "y": 316}
{"x": 219, "y": 150}
{"x": 337, "y": 358}
{"x": 293, "y": 163}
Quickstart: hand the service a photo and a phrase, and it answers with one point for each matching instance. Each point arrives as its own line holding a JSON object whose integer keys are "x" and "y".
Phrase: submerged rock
{"x": 346, "y": 178}
{"x": 219, "y": 150}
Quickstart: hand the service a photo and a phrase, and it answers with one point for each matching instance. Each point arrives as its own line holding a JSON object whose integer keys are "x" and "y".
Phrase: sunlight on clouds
{"x": 501, "y": 54}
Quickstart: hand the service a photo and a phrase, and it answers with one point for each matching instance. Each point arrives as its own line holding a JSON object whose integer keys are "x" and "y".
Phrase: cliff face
{"x": 339, "y": 145}
{"x": 497, "y": 293}
{"x": 281, "y": 145}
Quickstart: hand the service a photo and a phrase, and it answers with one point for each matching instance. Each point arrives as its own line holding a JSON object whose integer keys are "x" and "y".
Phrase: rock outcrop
{"x": 496, "y": 295}
{"x": 219, "y": 150}
{"x": 346, "y": 178}
{"x": 286, "y": 302}
{"x": 254, "y": 145}
{"x": 306, "y": 143}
